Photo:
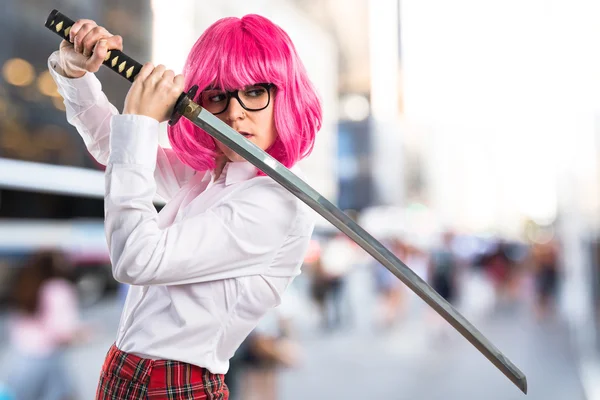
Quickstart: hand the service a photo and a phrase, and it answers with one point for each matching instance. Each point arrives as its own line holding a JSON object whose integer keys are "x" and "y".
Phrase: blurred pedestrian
{"x": 502, "y": 272}
{"x": 417, "y": 259}
{"x": 43, "y": 323}
{"x": 444, "y": 275}
{"x": 546, "y": 270}
{"x": 444, "y": 269}
{"x": 390, "y": 289}
{"x": 330, "y": 271}
{"x": 270, "y": 347}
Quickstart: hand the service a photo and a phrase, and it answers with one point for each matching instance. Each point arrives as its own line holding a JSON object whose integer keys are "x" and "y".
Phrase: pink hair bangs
{"x": 233, "y": 53}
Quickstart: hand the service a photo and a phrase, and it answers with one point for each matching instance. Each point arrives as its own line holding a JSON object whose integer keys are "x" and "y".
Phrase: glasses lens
{"x": 254, "y": 97}
{"x": 214, "y": 101}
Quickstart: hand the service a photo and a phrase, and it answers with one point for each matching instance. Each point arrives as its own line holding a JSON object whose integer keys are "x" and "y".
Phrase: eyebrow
{"x": 213, "y": 87}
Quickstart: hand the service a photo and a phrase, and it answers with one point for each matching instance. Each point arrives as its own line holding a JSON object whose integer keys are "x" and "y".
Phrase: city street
{"x": 412, "y": 361}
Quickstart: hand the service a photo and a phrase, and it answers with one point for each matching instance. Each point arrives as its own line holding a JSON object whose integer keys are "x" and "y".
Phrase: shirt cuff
{"x": 82, "y": 91}
{"x": 133, "y": 140}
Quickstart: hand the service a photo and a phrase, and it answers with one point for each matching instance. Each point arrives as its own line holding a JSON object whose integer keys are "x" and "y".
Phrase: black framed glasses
{"x": 252, "y": 98}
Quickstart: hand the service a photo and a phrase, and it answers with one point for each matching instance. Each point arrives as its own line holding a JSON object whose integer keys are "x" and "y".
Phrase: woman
{"x": 45, "y": 321}
{"x": 230, "y": 240}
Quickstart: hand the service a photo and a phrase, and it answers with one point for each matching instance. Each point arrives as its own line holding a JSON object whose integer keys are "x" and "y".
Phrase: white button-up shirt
{"x": 212, "y": 262}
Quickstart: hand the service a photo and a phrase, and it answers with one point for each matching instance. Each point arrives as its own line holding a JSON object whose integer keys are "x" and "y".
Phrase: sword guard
{"x": 181, "y": 103}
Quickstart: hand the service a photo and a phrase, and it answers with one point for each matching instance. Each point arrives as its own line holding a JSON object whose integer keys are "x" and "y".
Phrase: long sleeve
{"x": 239, "y": 236}
{"x": 89, "y": 110}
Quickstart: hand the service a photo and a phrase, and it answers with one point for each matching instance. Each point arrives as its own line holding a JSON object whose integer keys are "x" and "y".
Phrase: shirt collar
{"x": 238, "y": 172}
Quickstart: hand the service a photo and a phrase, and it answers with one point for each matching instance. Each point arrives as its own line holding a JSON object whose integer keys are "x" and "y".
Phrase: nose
{"x": 235, "y": 110}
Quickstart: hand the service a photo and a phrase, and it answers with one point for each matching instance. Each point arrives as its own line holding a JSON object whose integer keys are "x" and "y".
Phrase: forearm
{"x": 87, "y": 108}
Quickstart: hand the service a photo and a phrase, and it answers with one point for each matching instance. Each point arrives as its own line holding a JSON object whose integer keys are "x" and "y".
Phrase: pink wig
{"x": 233, "y": 53}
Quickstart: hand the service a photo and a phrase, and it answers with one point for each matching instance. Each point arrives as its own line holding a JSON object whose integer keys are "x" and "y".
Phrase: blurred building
{"x": 32, "y": 124}
{"x": 354, "y": 173}
{"x": 370, "y": 100}
{"x": 506, "y": 98}
{"x": 51, "y": 190}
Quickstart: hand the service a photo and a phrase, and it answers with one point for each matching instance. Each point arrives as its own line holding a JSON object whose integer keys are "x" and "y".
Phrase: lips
{"x": 246, "y": 134}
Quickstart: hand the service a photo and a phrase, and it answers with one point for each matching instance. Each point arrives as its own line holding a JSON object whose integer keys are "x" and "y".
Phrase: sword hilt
{"x": 118, "y": 61}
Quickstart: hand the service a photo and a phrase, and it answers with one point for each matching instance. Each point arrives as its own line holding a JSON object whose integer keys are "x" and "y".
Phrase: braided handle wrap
{"x": 116, "y": 60}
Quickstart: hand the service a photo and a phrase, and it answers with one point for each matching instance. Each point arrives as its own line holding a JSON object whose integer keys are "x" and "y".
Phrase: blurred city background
{"x": 463, "y": 134}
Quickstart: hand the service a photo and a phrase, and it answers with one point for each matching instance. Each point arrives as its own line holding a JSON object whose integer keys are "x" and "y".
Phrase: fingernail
{"x": 102, "y": 42}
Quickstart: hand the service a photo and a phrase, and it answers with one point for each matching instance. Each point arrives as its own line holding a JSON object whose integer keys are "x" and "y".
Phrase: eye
{"x": 217, "y": 97}
{"x": 213, "y": 96}
{"x": 255, "y": 91}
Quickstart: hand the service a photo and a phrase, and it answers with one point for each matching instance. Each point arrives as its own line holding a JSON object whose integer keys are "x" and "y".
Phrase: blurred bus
{"x": 82, "y": 241}
{"x": 60, "y": 207}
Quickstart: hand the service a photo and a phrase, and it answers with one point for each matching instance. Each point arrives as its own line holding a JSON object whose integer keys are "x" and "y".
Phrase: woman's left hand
{"x": 154, "y": 92}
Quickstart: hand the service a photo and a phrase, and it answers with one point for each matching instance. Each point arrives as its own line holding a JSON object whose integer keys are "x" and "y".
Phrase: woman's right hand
{"x": 87, "y": 47}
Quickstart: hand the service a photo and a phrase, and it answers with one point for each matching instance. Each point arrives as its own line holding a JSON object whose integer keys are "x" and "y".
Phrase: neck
{"x": 220, "y": 164}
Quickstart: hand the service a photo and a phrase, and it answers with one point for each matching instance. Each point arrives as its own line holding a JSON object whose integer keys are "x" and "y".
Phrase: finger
{"x": 77, "y": 26}
{"x": 168, "y": 76}
{"x": 98, "y": 55}
{"x": 157, "y": 74}
{"x": 167, "y": 80}
{"x": 115, "y": 42}
{"x": 179, "y": 81}
{"x": 91, "y": 39}
{"x": 78, "y": 32}
{"x": 145, "y": 72}
{"x": 83, "y": 31}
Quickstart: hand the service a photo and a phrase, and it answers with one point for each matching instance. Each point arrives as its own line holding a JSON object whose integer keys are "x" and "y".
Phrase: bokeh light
{"x": 18, "y": 72}
{"x": 46, "y": 85}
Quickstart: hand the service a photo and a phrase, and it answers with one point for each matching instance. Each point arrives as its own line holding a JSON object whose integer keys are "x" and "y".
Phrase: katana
{"x": 186, "y": 107}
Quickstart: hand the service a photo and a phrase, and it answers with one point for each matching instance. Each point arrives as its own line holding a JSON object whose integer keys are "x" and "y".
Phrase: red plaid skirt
{"x": 125, "y": 376}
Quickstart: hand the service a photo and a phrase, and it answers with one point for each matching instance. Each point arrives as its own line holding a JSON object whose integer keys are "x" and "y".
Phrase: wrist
{"x": 73, "y": 74}
{"x": 69, "y": 70}
{"x": 143, "y": 113}
{"x": 127, "y": 111}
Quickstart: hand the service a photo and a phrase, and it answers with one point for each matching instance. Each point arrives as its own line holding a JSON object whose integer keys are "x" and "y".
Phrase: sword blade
{"x": 286, "y": 178}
